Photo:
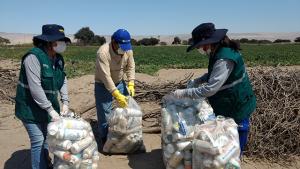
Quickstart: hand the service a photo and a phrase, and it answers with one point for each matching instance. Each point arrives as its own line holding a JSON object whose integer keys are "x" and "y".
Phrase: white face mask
{"x": 208, "y": 51}
{"x": 201, "y": 51}
{"x": 60, "y": 47}
{"x": 120, "y": 51}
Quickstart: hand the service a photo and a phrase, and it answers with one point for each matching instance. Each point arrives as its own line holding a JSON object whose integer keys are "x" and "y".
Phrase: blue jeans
{"x": 39, "y": 147}
{"x": 243, "y": 129}
{"x": 104, "y": 104}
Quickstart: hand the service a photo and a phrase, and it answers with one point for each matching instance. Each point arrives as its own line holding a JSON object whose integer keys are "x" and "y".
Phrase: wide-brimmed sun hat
{"x": 204, "y": 34}
{"x": 53, "y": 32}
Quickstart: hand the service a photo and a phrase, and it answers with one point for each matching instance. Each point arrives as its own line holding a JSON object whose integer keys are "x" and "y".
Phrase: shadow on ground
{"x": 149, "y": 160}
{"x": 19, "y": 160}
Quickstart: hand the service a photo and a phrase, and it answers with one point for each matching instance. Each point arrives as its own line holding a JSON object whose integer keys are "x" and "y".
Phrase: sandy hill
{"x": 21, "y": 38}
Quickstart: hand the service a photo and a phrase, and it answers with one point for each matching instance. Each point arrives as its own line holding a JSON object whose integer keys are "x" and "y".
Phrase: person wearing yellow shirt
{"x": 114, "y": 61}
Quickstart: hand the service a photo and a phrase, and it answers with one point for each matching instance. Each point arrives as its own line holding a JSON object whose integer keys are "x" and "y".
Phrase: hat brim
{"x": 216, "y": 37}
{"x": 125, "y": 46}
{"x": 53, "y": 38}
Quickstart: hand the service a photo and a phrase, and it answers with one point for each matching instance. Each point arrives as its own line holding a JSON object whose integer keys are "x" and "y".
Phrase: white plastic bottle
{"x": 71, "y": 123}
{"x": 86, "y": 164}
{"x": 223, "y": 158}
{"x": 176, "y": 159}
{"x": 60, "y": 144}
{"x": 71, "y": 134}
{"x": 89, "y": 151}
{"x": 186, "y": 145}
{"x": 205, "y": 147}
{"x": 53, "y": 128}
{"x": 166, "y": 121}
{"x": 81, "y": 144}
{"x": 75, "y": 159}
{"x": 95, "y": 157}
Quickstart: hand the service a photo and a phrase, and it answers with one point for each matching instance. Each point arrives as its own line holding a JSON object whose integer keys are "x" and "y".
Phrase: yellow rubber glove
{"x": 121, "y": 99}
{"x": 131, "y": 88}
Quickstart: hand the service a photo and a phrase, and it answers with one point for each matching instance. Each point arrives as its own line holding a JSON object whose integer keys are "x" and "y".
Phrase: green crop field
{"x": 81, "y": 60}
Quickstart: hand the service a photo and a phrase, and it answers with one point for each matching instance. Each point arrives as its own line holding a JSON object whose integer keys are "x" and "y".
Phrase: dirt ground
{"x": 14, "y": 141}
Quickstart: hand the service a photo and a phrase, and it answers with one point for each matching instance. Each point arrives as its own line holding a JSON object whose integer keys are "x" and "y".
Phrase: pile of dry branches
{"x": 8, "y": 82}
{"x": 146, "y": 92}
{"x": 275, "y": 126}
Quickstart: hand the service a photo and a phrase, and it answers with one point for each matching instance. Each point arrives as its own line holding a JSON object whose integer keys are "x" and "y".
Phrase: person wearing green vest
{"x": 226, "y": 85}
{"x": 41, "y": 78}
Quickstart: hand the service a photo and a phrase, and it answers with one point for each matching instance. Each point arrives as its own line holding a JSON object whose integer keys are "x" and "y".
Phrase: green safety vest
{"x": 52, "y": 79}
{"x": 235, "y": 98}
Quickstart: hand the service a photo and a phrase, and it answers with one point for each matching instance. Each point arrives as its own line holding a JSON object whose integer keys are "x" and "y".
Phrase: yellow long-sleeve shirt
{"x": 111, "y": 68}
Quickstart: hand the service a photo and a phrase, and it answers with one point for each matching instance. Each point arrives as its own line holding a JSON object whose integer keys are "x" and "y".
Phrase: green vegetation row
{"x": 80, "y": 60}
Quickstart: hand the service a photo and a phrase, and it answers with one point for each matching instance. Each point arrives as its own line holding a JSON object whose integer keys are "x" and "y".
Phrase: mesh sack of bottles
{"x": 125, "y": 129}
{"x": 183, "y": 121}
{"x": 72, "y": 142}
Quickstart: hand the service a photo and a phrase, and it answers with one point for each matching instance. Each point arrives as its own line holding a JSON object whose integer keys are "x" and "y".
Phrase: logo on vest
{"x": 45, "y": 66}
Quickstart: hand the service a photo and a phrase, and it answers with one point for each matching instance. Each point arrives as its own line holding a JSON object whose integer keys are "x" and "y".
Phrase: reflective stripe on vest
{"x": 233, "y": 83}
{"x": 27, "y": 87}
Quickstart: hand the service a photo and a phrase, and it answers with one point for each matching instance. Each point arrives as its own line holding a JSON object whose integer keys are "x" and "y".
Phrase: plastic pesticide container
{"x": 186, "y": 145}
{"x": 53, "y": 128}
{"x": 89, "y": 151}
{"x": 187, "y": 159}
{"x": 86, "y": 164}
{"x": 233, "y": 164}
{"x": 166, "y": 121}
{"x": 71, "y": 134}
{"x": 71, "y": 123}
{"x": 224, "y": 158}
{"x": 60, "y": 144}
{"x": 63, "y": 155}
{"x": 205, "y": 147}
{"x": 170, "y": 148}
{"x": 133, "y": 112}
{"x": 78, "y": 146}
{"x": 75, "y": 159}
{"x": 175, "y": 159}
{"x": 95, "y": 157}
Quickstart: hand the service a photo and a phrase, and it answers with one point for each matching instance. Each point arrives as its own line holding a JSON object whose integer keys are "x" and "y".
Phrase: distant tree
{"x": 134, "y": 42}
{"x": 148, "y": 41}
{"x": 282, "y": 41}
{"x": 244, "y": 40}
{"x": 253, "y": 41}
{"x": 98, "y": 40}
{"x": 264, "y": 41}
{"x": 154, "y": 41}
{"x": 184, "y": 42}
{"x": 84, "y": 35}
{"x": 297, "y": 39}
{"x": 163, "y": 43}
{"x": 176, "y": 40}
{"x": 4, "y": 41}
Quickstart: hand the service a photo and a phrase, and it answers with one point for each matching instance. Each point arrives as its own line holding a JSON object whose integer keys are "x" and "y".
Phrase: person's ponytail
{"x": 234, "y": 45}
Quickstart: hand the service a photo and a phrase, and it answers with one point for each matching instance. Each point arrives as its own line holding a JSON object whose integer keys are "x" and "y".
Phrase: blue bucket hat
{"x": 53, "y": 32}
{"x": 122, "y": 37}
{"x": 205, "y": 34}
